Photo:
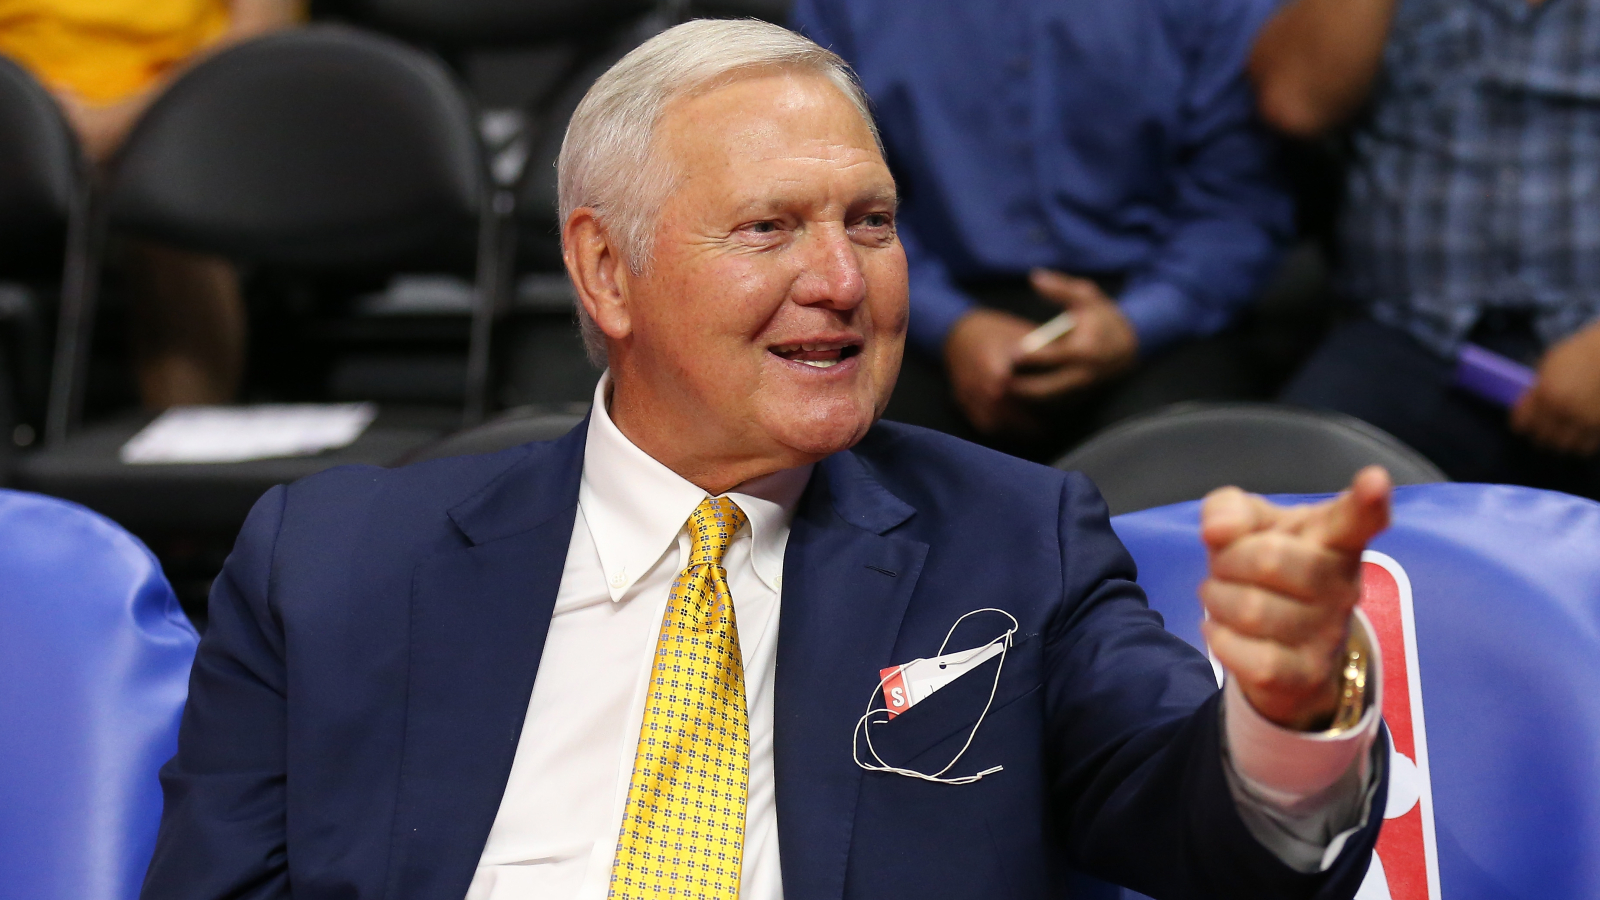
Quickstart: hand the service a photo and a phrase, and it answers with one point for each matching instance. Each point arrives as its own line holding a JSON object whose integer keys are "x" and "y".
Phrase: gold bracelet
{"x": 1352, "y": 681}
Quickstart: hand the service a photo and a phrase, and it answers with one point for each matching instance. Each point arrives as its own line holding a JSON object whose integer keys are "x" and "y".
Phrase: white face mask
{"x": 921, "y": 677}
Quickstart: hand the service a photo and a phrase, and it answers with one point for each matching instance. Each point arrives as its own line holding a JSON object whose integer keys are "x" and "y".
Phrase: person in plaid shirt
{"x": 1471, "y": 215}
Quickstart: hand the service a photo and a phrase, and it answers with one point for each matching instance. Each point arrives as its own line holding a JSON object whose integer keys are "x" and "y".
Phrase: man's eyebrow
{"x": 770, "y": 205}
{"x": 764, "y": 206}
{"x": 889, "y": 198}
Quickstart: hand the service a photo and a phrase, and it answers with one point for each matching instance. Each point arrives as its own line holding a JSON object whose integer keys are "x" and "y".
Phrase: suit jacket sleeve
{"x": 1135, "y": 735}
{"x": 223, "y": 826}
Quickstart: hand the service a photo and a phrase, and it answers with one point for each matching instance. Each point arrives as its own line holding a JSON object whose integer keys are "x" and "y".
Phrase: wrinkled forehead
{"x": 764, "y": 114}
{"x": 768, "y": 125}
{"x": 771, "y": 77}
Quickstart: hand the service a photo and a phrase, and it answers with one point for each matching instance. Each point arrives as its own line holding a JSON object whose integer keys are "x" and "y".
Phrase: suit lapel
{"x": 846, "y": 586}
{"x": 479, "y": 617}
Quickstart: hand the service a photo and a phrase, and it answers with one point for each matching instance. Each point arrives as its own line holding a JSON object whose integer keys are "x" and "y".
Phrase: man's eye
{"x": 762, "y": 227}
{"x": 877, "y": 220}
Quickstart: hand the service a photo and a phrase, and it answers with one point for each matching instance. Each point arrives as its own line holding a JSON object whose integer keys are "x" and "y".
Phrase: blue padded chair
{"x": 1505, "y": 590}
{"x": 94, "y": 669}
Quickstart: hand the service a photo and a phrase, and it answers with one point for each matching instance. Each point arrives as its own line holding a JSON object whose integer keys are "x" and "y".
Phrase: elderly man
{"x": 730, "y": 638}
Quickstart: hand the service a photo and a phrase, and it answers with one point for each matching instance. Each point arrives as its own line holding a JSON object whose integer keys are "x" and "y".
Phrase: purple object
{"x": 1491, "y": 376}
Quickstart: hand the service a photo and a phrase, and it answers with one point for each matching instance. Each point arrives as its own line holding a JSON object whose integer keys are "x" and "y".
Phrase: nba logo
{"x": 1405, "y": 865}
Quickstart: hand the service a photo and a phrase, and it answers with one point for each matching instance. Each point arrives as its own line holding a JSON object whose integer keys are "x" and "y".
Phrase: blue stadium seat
{"x": 94, "y": 669}
{"x": 1504, "y": 694}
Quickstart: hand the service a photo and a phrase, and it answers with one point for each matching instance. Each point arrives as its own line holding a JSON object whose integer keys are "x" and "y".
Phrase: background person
{"x": 1099, "y": 157}
{"x": 106, "y": 61}
{"x": 631, "y": 662}
{"x": 1472, "y": 214}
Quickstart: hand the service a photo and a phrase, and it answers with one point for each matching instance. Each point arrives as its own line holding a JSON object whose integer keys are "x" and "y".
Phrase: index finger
{"x": 1350, "y": 521}
{"x": 1053, "y": 284}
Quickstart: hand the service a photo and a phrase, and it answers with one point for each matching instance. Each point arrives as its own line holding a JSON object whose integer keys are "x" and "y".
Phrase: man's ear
{"x": 598, "y": 272}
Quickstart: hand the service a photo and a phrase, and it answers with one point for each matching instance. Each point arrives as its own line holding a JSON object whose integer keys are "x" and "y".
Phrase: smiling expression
{"x": 768, "y": 329}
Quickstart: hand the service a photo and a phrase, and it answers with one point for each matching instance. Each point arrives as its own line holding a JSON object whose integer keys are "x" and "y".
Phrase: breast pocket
{"x": 926, "y": 737}
{"x": 914, "y": 838}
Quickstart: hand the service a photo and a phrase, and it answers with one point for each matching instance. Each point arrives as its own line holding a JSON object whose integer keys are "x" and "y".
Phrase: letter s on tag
{"x": 896, "y": 699}
{"x": 904, "y": 686}
{"x": 908, "y": 684}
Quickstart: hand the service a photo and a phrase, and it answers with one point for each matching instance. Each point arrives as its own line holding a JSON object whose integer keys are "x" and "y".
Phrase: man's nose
{"x": 832, "y": 276}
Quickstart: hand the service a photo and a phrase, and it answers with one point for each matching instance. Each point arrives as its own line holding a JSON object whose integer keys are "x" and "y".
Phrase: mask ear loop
{"x": 937, "y": 777}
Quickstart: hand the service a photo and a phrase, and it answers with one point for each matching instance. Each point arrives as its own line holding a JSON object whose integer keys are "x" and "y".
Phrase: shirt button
{"x": 619, "y": 579}
{"x": 777, "y": 582}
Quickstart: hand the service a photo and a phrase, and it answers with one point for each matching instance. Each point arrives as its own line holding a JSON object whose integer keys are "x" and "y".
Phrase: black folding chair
{"x": 42, "y": 198}
{"x": 1186, "y": 450}
{"x": 314, "y": 150}
{"x": 40, "y": 173}
{"x": 530, "y": 63}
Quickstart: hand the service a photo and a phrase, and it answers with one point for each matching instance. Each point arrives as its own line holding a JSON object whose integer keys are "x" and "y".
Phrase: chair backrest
{"x": 539, "y": 237}
{"x": 317, "y": 146}
{"x": 460, "y": 23}
{"x": 94, "y": 668}
{"x": 1486, "y": 601}
{"x": 576, "y": 41}
{"x": 1186, "y": 450}
{"x": 39, "y": 171}
{"x": 510, "y": 429}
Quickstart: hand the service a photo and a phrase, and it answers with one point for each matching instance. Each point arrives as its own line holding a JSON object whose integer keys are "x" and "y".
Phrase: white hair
{"x": 609, "y": 161}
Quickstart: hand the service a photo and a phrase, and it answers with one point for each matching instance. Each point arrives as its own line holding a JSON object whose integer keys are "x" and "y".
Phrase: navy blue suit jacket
{"x": 358, "y": 697}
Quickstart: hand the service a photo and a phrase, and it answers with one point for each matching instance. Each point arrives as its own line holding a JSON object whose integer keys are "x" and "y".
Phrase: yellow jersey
{"x": 105, "y": 50}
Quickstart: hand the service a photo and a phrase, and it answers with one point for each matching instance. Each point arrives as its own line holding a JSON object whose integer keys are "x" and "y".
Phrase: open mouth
{"x": 820, "y": 356}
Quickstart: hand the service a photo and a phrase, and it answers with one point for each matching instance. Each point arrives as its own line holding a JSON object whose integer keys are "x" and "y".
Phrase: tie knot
{"x": 711, "y": 530}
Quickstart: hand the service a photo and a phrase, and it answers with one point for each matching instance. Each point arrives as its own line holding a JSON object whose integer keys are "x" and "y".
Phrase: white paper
{"x": 1045, "y": 334}
{"x": 427, "y": 295}
{"x": 924, "y": 676}
{"x": 221, "y": 434}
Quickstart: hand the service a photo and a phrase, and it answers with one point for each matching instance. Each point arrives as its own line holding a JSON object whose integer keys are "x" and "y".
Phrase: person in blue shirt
{"x": 1471, "y": 216}
{"x": 1098, "y": 157}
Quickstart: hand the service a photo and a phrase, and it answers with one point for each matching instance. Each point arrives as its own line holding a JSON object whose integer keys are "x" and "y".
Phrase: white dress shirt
{"x": 556, "y": 832}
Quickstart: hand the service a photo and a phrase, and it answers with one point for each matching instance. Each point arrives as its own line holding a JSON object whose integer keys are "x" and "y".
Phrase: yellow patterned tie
{"x": 683, "y": 828}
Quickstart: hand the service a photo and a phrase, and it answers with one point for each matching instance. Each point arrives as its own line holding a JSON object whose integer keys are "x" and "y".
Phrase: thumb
{"x": 1069, "y": 292}
{"x": 1351, "y": 520}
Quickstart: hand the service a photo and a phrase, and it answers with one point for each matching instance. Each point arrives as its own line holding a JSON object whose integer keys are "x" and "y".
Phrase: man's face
{"x": 773, "y": 315}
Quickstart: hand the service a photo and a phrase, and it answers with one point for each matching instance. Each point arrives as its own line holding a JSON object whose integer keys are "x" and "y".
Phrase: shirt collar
{"x": 635, "y": 506}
